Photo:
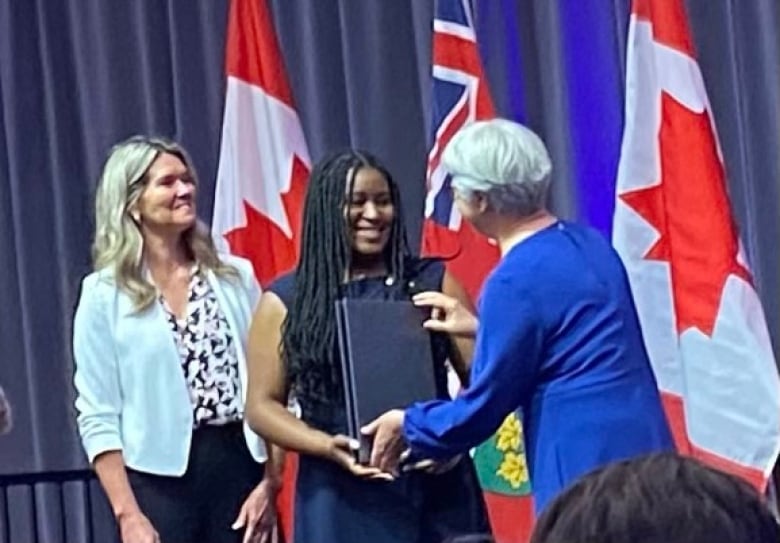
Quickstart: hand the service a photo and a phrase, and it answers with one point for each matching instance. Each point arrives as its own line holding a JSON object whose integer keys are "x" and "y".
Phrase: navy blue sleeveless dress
{"x": 334, "y": 506}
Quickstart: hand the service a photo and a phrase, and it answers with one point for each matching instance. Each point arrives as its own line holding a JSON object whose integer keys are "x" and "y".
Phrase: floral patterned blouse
{"x": 208, "y": 355}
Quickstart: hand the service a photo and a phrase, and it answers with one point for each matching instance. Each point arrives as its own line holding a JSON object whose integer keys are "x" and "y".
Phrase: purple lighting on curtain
{"x": 565, "y": 81}
{"x": 505, "y": 46}
{"x": 594, "y": 78}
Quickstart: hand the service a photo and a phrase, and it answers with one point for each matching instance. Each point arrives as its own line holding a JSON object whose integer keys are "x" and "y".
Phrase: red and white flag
{"x": 263, "y": 164}
{"x": 702, "y": 320}
{"x": 263, "y": 160}
{"x": 460, "y": 95}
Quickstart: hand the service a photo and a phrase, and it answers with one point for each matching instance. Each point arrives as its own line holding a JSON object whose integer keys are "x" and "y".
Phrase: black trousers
{"x": 201, "y": 505}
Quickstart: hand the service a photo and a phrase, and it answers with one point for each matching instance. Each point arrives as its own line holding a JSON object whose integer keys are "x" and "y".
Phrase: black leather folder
{"x": 386, "y": 360}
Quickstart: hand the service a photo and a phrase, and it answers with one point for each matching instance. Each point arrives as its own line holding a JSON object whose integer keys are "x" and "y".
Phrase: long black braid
{"x": 309, "y": 331}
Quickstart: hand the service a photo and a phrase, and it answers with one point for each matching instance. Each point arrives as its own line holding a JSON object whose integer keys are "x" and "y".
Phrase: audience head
{"x": 661, "y": 498}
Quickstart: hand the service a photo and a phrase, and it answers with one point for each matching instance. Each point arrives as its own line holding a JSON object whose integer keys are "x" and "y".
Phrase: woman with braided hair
{"x": 353, "y": 245}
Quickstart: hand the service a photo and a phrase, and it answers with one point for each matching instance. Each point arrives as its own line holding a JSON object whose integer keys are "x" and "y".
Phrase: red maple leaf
{"x": 260, "y": 240}
{"x": 690, "y": 210}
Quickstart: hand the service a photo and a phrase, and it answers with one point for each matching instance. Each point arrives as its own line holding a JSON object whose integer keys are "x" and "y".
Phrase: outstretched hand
{"x": 342, "y": 451}
{"x": 447, "y": 314}
{"x": 389, "y": 445}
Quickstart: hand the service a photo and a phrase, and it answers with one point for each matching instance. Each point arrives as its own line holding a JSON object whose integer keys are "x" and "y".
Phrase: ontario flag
{"x": 263, "y": 165}
{"x": 461, "y": 95}
{"x": 702, "y": 320}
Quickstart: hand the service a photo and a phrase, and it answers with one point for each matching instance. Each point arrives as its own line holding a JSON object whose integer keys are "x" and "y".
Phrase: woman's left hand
{"x": 258, "y": 514}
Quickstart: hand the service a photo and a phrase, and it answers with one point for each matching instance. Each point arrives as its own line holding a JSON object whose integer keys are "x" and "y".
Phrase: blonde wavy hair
{"x": 119, "y": 242}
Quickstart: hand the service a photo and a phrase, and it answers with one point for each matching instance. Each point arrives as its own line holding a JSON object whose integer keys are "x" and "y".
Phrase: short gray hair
{"x": 502, "y": 159}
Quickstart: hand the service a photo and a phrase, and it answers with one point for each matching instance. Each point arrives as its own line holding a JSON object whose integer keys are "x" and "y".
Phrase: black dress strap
{"x": 284, "y": 287}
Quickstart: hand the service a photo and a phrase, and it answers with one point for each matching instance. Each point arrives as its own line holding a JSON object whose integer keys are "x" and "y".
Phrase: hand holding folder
{"x": 386, "y": 361}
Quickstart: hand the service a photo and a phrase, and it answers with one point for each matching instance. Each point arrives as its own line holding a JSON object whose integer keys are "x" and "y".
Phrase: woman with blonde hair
{"x": 159, "y": 344}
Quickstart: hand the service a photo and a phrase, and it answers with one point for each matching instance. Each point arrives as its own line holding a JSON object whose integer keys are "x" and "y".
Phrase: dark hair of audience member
{"x": 662, "y": 498}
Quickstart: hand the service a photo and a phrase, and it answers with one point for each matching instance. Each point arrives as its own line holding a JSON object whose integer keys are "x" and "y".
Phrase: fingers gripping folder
{"x": 386, "y": 360}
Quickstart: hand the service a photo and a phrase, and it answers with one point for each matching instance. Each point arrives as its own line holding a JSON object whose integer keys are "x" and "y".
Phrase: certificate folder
{"x": 386, "y": 360}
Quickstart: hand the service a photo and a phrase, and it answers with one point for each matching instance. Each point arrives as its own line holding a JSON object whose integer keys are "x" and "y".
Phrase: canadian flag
{"x": 702, "y": 320}
{"x": 263, "y": 165}
{"x": 263, "y": 160}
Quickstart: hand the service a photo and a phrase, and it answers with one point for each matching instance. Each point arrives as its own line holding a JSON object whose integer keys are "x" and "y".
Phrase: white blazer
{"x": 132, "y": 393}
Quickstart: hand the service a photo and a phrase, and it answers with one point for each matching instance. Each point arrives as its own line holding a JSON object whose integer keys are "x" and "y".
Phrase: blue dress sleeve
{"x": 507, "y": 354}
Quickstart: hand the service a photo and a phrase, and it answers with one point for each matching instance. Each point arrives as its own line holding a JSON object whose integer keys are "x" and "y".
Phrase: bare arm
{"x": 99, "y": 405}
{"x": 274, "y": 468}
{"x": 133, "y": 524}
{"x": 462, "y": 349}
{"x": 266, "y": 406}
{"x": 110, "y": 469}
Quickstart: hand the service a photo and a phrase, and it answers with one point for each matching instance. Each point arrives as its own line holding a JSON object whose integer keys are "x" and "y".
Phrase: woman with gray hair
{"x": 159, "y": 341}
{"x": 558, "y": 334}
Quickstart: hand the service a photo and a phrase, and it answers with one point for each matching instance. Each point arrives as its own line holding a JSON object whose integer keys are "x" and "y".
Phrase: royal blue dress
{"x": 334, "y": 506}
{"x": 559, "y": 337}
